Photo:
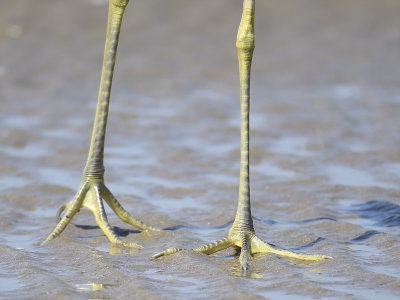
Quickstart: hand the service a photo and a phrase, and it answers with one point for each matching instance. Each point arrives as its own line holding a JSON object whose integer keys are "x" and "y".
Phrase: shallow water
{"x": 325, "y": 157}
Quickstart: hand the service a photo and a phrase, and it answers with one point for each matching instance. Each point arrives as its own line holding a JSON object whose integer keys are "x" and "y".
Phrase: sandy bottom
{"x": 325, "y": 154}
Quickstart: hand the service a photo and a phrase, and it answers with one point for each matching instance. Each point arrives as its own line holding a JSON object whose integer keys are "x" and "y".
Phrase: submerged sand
{"x": 325, "y": 154}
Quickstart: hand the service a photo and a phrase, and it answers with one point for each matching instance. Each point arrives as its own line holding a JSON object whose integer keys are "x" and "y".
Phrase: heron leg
{"x": 242, "y": 234}
{"x": 93, "y": 190}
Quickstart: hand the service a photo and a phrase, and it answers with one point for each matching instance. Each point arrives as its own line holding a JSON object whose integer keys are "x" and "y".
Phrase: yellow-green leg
{"x": 242, "y": 232}
{"x": 92, "y": 190}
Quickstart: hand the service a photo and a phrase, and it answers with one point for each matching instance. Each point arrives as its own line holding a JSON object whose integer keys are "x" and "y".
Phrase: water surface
{"x": 325, "y": 156}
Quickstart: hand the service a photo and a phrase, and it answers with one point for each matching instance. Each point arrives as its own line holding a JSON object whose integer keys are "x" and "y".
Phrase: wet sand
{"x": 325, "y": 154}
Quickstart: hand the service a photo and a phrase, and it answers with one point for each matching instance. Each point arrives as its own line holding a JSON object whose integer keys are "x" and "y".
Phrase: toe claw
{"x": 60, "y": 210}
{"x": 166, "y": 252}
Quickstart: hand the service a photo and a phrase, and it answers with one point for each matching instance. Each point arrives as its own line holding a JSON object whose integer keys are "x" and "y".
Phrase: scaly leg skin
{"x": 242, "y": 234}
{"x": 92, "y": 190}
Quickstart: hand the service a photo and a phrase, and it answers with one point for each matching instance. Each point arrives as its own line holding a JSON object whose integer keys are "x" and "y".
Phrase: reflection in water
{"x": 233, "y": 267}
{"x": 95, "y": 290}
{"x": 92, "y": 286}
{"x": 237, "y": 271}
{"x": 118, "y": 249}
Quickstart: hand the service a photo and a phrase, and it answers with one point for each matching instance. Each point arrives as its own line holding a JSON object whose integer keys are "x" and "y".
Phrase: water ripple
{"x": 384, "y": 213}
{"x": 366, "y": 235}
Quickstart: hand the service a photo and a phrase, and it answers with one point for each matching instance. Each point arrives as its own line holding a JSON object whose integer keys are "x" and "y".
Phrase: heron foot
{"x": 90, "y": 195}
{"x": 249, "y": 244}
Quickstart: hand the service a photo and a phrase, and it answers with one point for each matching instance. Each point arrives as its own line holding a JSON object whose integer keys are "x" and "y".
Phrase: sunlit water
{"x": 325, "y": 155}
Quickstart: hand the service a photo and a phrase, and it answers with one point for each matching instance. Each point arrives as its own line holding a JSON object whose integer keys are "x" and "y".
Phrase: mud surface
{"x": 325, "y": 154}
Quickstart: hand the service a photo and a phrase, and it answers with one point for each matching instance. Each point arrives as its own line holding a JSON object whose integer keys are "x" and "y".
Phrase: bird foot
{"x": 90, "y": 195}
{"x": 249, "y": 244}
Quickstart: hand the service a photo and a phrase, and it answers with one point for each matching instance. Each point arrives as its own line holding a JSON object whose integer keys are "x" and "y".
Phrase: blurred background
{"x": 325, "y": 157}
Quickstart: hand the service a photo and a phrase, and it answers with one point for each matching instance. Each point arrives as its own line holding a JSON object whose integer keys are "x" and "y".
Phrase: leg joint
{"x": 245, "y": 42}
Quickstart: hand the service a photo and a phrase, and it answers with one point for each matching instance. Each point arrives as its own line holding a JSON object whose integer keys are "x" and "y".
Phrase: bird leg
{"x": 242, "y": 234}
{"x": 92, "y": 189}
